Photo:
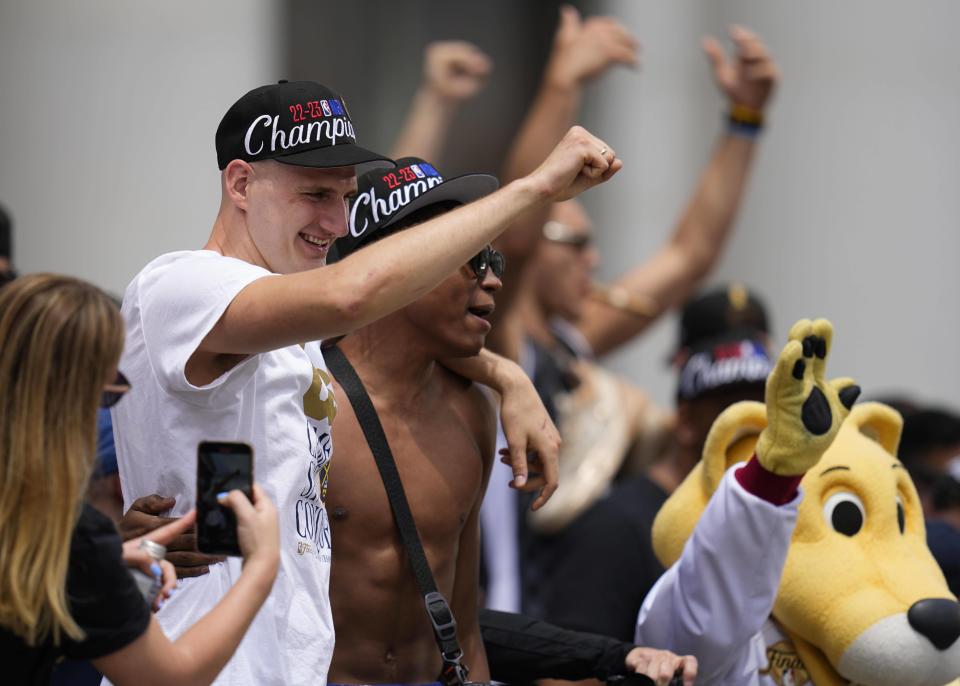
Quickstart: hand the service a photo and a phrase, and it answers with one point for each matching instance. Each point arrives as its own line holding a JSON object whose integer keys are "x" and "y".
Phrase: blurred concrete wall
{"x": 107, "y": 114}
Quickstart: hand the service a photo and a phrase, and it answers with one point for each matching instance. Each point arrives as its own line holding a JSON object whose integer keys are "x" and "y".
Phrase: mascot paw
{"x": 804, "y": 412}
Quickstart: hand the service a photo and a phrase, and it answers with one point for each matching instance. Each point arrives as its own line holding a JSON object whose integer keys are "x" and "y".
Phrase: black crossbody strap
{"x": 438, "y": 609}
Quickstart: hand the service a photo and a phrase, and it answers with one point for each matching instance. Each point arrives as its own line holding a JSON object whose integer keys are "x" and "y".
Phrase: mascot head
{"x": 861, "y": 595}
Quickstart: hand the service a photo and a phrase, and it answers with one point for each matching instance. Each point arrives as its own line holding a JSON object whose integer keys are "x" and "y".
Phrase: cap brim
{"x": 346, "y": 155}
{"x": 462, "y": 189}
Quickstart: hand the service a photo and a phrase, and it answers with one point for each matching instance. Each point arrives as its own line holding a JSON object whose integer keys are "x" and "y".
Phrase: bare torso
{"x": 443, "y": 442}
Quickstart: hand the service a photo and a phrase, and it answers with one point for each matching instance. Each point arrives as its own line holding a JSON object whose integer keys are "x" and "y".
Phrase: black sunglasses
{"x": 112, "y": 392}
{"x": 488, "y": 258}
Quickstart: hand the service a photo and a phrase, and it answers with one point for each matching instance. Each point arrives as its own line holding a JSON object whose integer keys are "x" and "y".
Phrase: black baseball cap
{"x": 295, "y": 122}
{"x": 724, "y": 342}
{"x": 719, "y": 313}
{"x": 386, "y": 196}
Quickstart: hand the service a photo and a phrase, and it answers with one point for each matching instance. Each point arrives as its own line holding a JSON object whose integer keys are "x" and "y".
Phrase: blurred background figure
{"x": 554, "y": 320}
{"x": 930, "y": 450}
{"x": 604, "y": 563}
{"x": 104, "y": 490}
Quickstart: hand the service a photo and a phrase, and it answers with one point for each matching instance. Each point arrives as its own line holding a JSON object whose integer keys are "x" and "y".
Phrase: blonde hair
{"x": 60, "y": 338}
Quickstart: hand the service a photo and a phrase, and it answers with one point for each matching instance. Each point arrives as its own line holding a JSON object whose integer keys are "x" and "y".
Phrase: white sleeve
{"x": 717, "y": 596}
{"x": 178, "y": 304}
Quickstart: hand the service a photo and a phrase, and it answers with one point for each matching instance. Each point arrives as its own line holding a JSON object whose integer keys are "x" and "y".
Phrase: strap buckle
{"x": 444, "y": 625}
{"x": 445, "y": 628}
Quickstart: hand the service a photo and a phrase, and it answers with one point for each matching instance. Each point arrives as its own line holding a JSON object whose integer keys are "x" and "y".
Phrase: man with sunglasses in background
{"x": 556, "y": 321}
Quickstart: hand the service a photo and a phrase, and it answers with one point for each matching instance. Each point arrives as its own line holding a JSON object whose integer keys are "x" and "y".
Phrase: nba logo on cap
{"x": 416, "y": 170}
{"x": 428, "y": 169}
{"x": 325, "y": 107}
{"x": 336, "y": 107}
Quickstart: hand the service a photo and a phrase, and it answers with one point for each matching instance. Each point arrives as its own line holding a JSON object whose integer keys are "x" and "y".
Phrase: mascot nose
{"x": 938, "y": 619}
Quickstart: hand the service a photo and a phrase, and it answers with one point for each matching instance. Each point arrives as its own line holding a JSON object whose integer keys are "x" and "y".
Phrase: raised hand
{"x": 585, "y": 48}
{"x": 804, "y": 412}
{"x": 750, "y": 76}
{"x": 578, "y": 162}
{"x": 455, "y": 70}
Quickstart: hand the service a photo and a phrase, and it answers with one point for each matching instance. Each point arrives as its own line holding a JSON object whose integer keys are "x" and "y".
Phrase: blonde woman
{"x": 64, "y": 585}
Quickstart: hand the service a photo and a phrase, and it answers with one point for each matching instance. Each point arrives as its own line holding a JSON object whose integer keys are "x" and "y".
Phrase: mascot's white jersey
{"x": 715, "y": 601}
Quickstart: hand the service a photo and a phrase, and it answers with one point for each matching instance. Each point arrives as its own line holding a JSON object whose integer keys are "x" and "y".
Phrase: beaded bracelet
{"x": 745, "y": 121}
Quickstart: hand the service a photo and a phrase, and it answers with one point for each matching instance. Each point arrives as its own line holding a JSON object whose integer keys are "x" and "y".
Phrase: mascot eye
{"x": 844, "y": 512}
{"x": 901, "y": 517}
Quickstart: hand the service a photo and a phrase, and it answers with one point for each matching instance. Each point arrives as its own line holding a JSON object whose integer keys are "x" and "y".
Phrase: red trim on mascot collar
{"x": 775, "y": 489}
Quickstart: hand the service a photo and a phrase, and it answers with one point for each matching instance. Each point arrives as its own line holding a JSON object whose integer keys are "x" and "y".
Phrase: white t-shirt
{"x": 280, "y": 402}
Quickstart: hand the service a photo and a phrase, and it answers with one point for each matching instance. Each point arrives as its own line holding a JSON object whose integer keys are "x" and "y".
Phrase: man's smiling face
{"x": 295, "y": 213}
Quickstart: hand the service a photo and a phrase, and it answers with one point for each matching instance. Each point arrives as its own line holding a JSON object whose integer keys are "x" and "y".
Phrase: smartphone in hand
{"x": 221, "y": 467}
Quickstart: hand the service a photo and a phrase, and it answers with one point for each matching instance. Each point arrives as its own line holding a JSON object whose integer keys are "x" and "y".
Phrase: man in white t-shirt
{"x": 222, "y": 343}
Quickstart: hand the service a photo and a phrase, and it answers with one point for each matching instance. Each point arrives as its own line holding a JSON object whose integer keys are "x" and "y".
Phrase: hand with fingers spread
{"x": 585, "y": 48}
{"x": 455, "y": 70}
{"x": 144, "y": 516}
{"x": 578, "y": 162}
{"x": 804, "y": 411}
{"x": 750, "y": 76}
{"x": 664, "y": 667}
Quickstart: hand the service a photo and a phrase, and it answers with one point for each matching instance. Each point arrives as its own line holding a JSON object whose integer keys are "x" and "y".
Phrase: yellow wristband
{"x": 744, "y": 114}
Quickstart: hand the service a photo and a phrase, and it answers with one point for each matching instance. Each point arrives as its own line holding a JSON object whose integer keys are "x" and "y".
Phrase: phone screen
{"x": 221, "y": 467}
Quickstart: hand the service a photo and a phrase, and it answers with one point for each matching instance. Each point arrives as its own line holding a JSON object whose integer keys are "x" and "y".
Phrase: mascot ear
{"x": 732, "y": 439}
{"x": 878, "y": 422}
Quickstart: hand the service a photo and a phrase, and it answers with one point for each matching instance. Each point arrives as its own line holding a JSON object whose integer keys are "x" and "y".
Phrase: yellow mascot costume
{"x": 830, "y": 584}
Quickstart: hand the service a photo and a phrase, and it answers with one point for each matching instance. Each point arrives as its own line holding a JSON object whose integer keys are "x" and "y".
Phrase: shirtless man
{"x": 441, "y": 429}
{"x": 442, "y": 432}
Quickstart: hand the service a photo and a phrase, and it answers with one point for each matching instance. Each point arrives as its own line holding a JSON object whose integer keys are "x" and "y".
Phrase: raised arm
{"x": 453, "y": 72}
{"x": 278, "y": 311}
{"x": 669, "y": 277}
{"x": 582, "y": 50}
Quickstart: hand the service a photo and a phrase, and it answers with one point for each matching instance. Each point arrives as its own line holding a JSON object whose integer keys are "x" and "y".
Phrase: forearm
{"x": 551, "y": 114}
{"x": 709, "y": 217}
{"x": 205, "y": 647}
{"x": 425, "y": 129}
{"x": 668, "y": 278}
{"x": 486, "y": 368}
{"x": 521, "y": 649}
{"x": 197, "y": 657}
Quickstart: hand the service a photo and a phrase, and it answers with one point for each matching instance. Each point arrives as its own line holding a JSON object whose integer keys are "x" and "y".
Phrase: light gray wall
{"x": 853, "y": 209}
{"x": 107, "y": 115}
